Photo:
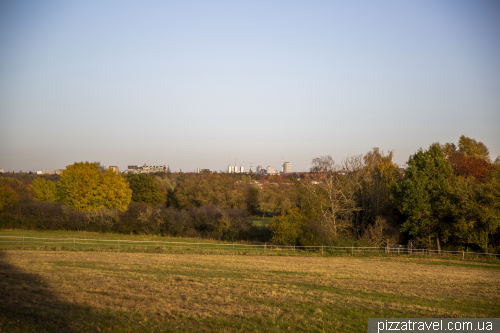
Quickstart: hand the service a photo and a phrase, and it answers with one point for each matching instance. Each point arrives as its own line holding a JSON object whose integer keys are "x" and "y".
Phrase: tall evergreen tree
{"x": 423, "y": 197}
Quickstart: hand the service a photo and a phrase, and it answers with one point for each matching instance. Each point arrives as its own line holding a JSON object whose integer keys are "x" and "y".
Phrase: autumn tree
{"x": 83, "y": 186}
{"x": 448, "y": 149}
{"x": 289, "y": 228}
{"x": 372, "y": 173}
{"x": 44, "y": 190}
{"x": 472, "y": 148}
{"x": 276, "y": 196}
{"x": 325, "y": 207}
{"x": 219, "y": 190}
{"x": 165, "y": 182}
{"x": 21, "y": 189}
{"x": 7, "y": 195}
{"x": 340, "y": 201}
{"x": 114, "y": 190}
{"x": 469, "y": 159}
{"x": 465, "y": 166}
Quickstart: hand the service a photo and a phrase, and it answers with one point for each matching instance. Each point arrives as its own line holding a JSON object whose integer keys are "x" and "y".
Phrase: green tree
{"x": 253, "y": 200}
{"x": 45, "y": 190}
{"x": 476, "y": 211}
{"x": 472, "y": 148}
{"x": 288, "y": 229}
{"x": 423, "y": 197}
{"x": 446, "y": 207}
{"x": 83, "y": 186}
{"x": 146, "y": 190}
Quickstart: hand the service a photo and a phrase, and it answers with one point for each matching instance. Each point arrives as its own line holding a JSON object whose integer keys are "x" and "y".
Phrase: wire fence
{"x": 123, "y": 245}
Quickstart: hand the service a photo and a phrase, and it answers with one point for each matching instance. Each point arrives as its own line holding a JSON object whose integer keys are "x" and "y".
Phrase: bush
{"x": 203, "y": 222}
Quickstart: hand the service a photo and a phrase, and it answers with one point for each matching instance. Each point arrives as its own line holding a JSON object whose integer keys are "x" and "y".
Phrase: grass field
{"x": 97, "y": 235}
{"x": 262, "y": 221}
{"x": 67, "y": 291}
{"x": 55, "y": 240}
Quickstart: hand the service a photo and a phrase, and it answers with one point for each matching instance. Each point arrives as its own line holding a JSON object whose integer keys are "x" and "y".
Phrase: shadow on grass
{"x": 28, "y": 305}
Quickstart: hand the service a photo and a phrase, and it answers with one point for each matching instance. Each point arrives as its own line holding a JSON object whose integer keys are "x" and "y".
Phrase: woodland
{"x": 448, "y": 197}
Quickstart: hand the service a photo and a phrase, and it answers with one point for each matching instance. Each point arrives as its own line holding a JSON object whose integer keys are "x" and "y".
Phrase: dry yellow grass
{"x": 220, "y": 292}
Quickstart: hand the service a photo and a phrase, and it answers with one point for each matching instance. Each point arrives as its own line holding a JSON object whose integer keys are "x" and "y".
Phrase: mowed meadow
{"x": 77, "y": 291}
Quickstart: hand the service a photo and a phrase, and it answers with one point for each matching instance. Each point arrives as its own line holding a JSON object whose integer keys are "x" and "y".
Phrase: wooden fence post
{"x": 463, "y": 255}
{"x": 74, "y": 243}
{"x": 23, "y": 244}
{"x": 160, "y": 246}
{"x": 321, "y": 249}
{"x": 265, "y": 248}
{"x": 352, "y": 251}
{"x": 118, "y": 245}
{"x": 293, "y": 249}
{"x": 233, "y": 248}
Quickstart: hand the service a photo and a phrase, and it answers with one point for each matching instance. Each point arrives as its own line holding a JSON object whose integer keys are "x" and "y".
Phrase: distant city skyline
{"x": 187, "y": 84}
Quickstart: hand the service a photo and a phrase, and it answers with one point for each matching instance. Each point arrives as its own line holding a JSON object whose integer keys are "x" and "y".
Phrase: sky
{"x": 190, "y": 84}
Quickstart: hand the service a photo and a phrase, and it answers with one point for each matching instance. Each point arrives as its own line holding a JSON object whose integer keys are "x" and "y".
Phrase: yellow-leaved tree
{"x": 83, "y": 186}
{"x": 45, "y": 190}
{"x": 7, "y": 195}
{"x": 472, "y": 148}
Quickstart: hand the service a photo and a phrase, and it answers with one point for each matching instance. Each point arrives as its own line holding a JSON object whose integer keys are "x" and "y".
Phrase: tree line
{"x": 448, "y": 197}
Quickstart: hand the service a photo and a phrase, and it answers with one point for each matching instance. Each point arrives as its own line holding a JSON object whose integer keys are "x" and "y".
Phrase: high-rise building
{"x": 287, "y": 167}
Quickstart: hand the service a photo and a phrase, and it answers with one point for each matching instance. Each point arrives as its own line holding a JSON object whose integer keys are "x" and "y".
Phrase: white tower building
{"x": 287, "y": 167}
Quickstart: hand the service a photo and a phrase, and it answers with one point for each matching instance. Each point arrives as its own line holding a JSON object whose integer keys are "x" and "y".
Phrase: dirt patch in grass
{"x": 238, "y": 293}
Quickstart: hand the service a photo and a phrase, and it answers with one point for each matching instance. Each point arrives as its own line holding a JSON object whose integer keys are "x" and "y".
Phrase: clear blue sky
{"x": 190, "y": 83}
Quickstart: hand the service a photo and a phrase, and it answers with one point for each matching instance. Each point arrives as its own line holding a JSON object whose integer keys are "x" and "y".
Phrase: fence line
{"x": 73, "y": 243}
